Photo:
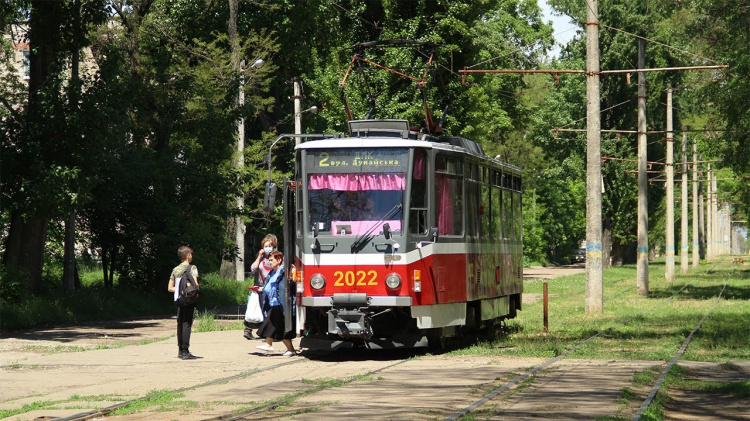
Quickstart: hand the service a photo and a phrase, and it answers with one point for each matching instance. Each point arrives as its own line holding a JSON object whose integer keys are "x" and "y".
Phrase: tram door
{"x": 290, "y": 237}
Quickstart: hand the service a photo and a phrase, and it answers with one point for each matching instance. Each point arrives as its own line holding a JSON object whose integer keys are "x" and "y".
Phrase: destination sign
{"x": 357, "y": 160}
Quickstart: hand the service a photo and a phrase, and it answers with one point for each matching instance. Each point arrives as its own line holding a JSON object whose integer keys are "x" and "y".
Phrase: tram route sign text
{"x": 370, "y": 160}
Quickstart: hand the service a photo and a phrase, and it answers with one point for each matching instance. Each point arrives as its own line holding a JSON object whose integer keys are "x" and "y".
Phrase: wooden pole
{"x": 546, "y": 309}
{"x": 642, "y": 251}
{"x": 594, "y": 274}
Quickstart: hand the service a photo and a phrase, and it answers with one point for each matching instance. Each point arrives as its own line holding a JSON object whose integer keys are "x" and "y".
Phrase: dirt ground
{"x": 72, "y": 370}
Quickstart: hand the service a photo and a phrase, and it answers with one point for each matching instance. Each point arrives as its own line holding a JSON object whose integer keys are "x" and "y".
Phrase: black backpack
{"x": 188, "y": 288}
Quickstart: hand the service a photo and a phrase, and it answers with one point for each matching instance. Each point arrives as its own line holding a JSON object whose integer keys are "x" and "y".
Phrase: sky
{"x": 564, "y": 29}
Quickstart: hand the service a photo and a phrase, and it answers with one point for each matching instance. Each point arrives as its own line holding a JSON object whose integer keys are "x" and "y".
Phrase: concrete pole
{"x": 594, "y": 274}
{"x": 701, "y": 215}
{"x": 684, "y": 202}
{"x": 669, "y": 239}
{"x": 715, "y": 215}
{"x": 709, "y": 217}
{"x": 642, "y": 251}
{"x": 696, "y": 236}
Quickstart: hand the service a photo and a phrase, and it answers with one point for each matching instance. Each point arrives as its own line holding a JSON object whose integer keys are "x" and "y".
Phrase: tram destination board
{"x": 357, "y": 160}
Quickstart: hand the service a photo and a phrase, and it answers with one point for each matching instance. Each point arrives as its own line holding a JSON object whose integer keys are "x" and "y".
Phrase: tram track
{"x": 674, "y": 359}
{"x": 517, "y": 380}
{"x": 244, "y": 415}
{"x": 264, "y": 409}
{"x": 103, "y": 412}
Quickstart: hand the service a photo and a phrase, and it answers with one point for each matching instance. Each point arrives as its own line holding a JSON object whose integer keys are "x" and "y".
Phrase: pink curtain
{"x": 357, "y": 182}
{"x": 419, "y": 164}
{"x": 444, "y": 203}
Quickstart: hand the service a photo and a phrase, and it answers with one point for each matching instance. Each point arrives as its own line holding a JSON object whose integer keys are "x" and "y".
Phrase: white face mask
{"x": 268, "y": 249}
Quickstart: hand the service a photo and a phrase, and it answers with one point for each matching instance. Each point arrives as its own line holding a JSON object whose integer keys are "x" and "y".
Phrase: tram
{"x": 400, "y": 236}
{"x": 401, "y": 239}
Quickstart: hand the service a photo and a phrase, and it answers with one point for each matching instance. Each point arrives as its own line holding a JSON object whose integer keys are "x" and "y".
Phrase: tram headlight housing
{"x": 393, "y": 281}
{"x": 317, "y": 282}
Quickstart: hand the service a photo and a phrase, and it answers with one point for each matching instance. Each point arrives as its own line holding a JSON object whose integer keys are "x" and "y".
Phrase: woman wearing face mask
{"x": 275, "y": 306}
{"x": 261, "y": 267}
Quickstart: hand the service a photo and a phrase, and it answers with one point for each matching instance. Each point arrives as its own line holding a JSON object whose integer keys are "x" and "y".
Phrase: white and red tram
{"x": 400, "y": 238}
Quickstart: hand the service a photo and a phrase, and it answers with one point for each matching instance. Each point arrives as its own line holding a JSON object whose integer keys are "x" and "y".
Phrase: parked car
{"x": 579, "y": 256}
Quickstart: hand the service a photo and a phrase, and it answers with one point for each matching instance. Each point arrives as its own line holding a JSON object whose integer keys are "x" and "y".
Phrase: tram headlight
{"x": 393, "y": 281}
{"x": 317, "y": 281}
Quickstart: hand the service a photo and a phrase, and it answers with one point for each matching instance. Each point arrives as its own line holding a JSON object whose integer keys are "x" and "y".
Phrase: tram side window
{"x": 473, "y": 217}
{"x": 449, "y": 195}
{"x": 497, "y": 216}
{"x": 507, "y": 214}
{"x": 485, "y": 211}
{"x": 418, "y": 200}
{"x": 299, "y": 197}
{"x": 517, "y": 219}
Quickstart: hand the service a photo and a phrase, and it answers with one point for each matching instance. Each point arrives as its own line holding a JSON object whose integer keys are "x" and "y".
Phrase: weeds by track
{"x": 520, "y": 378}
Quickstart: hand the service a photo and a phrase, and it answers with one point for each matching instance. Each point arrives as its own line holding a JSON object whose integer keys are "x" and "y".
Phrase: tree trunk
{"x": 24, "y": 254}
{"x": 606, "y": 245}
{"x": 69, "y": 255}
{"x": 228, "y": 268}
{"x": 27, "y": 235}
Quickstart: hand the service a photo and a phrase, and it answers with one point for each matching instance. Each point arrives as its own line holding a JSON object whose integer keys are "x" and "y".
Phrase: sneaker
{"x": 249, "y": 335}
{"x": 289, "y": 353}
{"x": 265, "y": 347}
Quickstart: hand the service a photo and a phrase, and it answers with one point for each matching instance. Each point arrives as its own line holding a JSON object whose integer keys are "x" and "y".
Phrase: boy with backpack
{"x": 183, "y": 283}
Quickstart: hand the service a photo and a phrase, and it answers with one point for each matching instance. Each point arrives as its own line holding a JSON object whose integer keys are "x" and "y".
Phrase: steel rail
{"x": 547, "y": 363}
{"x": 674, "y": 359}
{"x": 107, "y": 410}
{"x": 293, "y": 396}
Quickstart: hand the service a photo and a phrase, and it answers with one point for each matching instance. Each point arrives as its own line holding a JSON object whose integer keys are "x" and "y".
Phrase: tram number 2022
{"x": 358, "y": 278}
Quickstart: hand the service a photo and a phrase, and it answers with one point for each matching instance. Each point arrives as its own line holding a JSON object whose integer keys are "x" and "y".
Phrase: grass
{"x": 59, "y": 404}
{"x": 53, "y": 306}
{"x": 205, "y": 321}
{"x": 659, "y": 322}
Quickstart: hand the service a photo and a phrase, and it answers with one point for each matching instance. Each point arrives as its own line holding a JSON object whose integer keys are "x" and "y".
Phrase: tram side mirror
{"x": 433, "y": 232}
{"x": 269, "y": 197}
{"x": 387, "y": 231}
{"x": 316, "y": 229}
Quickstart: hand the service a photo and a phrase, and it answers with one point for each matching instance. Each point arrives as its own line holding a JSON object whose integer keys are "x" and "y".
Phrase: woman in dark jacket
{"x": 274, "y": 291}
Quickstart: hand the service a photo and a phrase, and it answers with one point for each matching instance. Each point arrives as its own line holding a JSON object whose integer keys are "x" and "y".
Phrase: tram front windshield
{"x": 352, "y": 192}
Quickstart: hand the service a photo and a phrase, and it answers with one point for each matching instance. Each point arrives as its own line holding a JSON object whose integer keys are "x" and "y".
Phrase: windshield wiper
{"x": 367, "y": 233}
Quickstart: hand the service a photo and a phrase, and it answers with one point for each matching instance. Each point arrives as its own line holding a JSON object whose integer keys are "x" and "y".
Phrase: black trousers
{"x": 184, "y": 326}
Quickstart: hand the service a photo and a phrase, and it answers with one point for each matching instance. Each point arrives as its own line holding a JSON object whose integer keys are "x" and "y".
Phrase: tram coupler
{"x": 350, "y": 316}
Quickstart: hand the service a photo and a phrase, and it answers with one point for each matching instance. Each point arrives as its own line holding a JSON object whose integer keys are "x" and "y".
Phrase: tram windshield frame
{"x": 349, "y": 191}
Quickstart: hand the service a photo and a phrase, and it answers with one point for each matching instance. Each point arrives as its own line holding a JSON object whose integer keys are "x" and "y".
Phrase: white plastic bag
{"x": 254, "y": 313}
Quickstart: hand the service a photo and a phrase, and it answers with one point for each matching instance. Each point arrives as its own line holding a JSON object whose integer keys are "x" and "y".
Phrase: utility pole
{"x": 642, "y": 251}
{"x": 669, "y": 263}
{"x": 696, "y": 236}
{"x": 715, "y": 215}
{"x": 709, "y": 217}
{"x": 684, "y": 202}
{"x": 701, "y": 216}
{"x": 594, "y": 274}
